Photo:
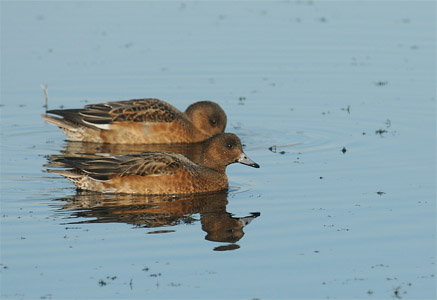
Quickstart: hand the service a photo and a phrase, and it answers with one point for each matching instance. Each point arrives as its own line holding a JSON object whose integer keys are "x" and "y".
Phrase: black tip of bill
{"x": 247, "y": 161}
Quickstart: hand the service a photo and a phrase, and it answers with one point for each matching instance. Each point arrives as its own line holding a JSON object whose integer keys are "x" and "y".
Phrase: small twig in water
{"x": 45, "y": 88}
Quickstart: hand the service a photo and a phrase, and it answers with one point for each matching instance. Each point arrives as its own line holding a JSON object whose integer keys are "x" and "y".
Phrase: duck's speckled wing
{"x": 142, "y": 164}
{"x": 137, "y": 110}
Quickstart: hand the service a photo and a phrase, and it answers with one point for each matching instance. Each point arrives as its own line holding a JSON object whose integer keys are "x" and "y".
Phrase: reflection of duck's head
{"x": 207, "y": 116}
{"x": 224, "y": 227}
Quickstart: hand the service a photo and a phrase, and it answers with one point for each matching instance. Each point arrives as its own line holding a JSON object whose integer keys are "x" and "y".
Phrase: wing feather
{"x": 143, "y": 164}
{"x": 102, "y": 115}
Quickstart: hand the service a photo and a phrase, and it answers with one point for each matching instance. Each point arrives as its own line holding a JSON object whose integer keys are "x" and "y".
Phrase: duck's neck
{"x": 209, "y": 160}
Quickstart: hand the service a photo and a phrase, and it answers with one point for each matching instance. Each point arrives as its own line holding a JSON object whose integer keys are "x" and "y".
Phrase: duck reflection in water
{"x": 161, "y": 212}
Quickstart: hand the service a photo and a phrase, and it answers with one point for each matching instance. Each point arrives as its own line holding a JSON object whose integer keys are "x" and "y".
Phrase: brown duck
{"x": 140, "y": 121}
{"x": 158, "y": 172}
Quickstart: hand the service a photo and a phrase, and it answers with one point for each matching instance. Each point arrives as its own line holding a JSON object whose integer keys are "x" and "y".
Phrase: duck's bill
{"x": 247, "y": 161}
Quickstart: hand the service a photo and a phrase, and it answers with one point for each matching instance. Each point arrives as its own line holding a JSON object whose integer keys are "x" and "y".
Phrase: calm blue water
{"x": 311, "y": 78}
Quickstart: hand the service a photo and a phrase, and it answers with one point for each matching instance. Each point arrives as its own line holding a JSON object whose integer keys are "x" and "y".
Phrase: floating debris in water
{"x": 388, "y": 123}
{"x": 102, "y": 282}
{"x": 381, "y": 131}
{"x": 45, "y": 89}
{"x": 323, "y": 20}
{"x": 381, "y": 83}
{"x": 397, "y": 292}
{"x": 344, "y": 150}
{"x": 380, "y": 193}
{"x": 274, "y": 149}
{"x": 348, "y": 109}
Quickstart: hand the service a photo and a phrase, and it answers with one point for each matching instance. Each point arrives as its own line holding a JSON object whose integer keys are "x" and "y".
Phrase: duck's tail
{"x": 60, "y": 122}
{"x": 75, "y": 131}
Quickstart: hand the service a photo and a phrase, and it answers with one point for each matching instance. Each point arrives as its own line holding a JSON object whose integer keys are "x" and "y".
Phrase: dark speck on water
{"x": 381, "y": 131}
{"x": 396, "y": 291}
{"x": 348, "y": 109}
{"x": 388, "y": 123}
{"x": 102, "y": 282}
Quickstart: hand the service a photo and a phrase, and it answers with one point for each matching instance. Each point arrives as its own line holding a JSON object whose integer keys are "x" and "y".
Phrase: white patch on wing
{"x": 100, "y": 126}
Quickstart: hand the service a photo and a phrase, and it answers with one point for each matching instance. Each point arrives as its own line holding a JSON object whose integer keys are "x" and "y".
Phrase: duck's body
{"x": 140, "y": 121}
{"x": 158, "y": 172}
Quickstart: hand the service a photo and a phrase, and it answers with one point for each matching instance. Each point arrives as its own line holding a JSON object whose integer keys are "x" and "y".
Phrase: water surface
{"x": 335, "y": 100}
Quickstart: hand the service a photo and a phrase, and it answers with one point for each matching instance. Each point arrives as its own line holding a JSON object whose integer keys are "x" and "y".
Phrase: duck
{"x": 140, "y": 121}
{"x": 158, "y": 172}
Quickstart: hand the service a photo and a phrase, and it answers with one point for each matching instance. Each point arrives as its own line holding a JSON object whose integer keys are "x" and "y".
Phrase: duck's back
{"x": 137, "y": 121}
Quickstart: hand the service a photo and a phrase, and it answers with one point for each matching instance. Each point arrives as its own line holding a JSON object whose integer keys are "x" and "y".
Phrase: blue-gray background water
{"x": 335, "y": 100}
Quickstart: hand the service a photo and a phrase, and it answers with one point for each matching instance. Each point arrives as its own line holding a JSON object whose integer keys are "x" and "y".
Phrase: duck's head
{"x": 207, "y": 116}
{"x": 224, "y": 149}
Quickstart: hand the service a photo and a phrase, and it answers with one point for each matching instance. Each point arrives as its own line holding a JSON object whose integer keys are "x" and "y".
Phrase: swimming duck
{"x": 159, "y": 172}
{"x": 140, "y": 121}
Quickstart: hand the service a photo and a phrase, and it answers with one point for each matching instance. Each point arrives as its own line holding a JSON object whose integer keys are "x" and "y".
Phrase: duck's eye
{"x": 213, "y": 122}
{"x": 230, "y": 146}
